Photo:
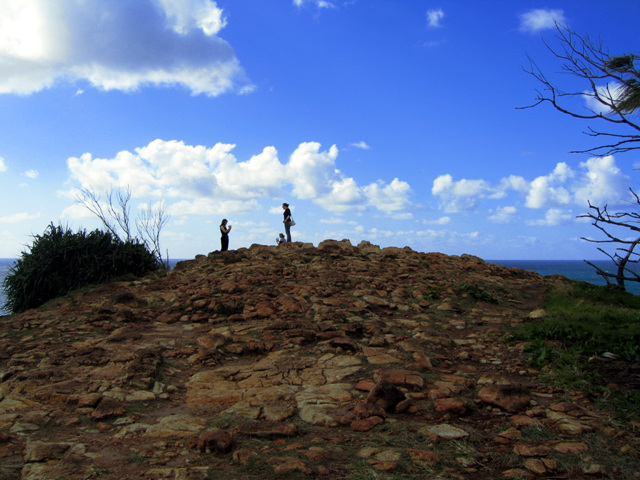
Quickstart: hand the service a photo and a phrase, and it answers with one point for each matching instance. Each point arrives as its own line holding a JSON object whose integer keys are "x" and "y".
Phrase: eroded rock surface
{"x": 322, "y": 362}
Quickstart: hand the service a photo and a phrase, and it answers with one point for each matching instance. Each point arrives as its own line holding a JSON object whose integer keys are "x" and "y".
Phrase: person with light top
{"x": 280, "y": 240}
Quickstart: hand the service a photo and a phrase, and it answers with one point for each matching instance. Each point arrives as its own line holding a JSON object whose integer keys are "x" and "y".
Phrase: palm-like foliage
{"x": 628, "y": 93}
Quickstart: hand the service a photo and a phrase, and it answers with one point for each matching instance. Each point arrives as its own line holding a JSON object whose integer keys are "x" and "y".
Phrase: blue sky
{"x": 392, "y": 121}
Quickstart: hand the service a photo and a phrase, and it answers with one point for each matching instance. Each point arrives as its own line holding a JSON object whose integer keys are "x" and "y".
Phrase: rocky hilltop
{"x": 333, "y": 362}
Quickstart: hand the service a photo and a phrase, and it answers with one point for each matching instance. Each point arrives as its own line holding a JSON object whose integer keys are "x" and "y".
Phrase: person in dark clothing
{"x": 287, "y": 220}
{"x": 224, "y": 239}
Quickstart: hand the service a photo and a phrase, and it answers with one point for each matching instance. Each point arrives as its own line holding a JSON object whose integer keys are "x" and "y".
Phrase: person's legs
{"x": 287, "y": 230}
{"x": 225, "y": 243}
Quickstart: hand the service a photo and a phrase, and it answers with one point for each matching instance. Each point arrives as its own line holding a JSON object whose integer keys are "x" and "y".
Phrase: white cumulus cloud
{"x": 602, "y": 183}
{"x": 553, "y": 217}
{"x": 312, "y": 172}
{"x": 390, "y": 197}
{"x": 503, "y": 214}
{"x": 539, "y": 19}
{"x": 201, "y": 180}
{"x": 196, "y": 14}
{"x": 597, "y": 180}
{"x": 459, "y": 196}
{"x": 550, "y": 190}
{"x": 116, "y": 45}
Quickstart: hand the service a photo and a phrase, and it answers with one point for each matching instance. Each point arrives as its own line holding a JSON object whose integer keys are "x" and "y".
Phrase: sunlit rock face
{"x": 288, "y": 359}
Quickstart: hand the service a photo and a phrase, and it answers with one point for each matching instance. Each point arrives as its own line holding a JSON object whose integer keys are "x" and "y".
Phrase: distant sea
{"x": 573, "y": 269}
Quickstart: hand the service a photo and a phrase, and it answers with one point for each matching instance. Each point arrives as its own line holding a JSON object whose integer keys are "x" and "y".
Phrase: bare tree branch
{"x": 613, "y": 83}
{"x": 150, "y": 223}
{"x": 115, "y": 215}
{"x": 89, "y": 200}
{"x": 624, "y": 256}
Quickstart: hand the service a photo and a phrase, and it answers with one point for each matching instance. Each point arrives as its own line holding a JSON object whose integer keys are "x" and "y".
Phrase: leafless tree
{"x": 150, "y": 223}
{"x": 612, "y": 86}
{"x": 612, "y": 83}
{"x": 624, "y": 255}
{"x": 115, "y": 214}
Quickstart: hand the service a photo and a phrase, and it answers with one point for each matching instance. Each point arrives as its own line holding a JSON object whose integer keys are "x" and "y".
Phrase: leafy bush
{"x": 60, "y": 261}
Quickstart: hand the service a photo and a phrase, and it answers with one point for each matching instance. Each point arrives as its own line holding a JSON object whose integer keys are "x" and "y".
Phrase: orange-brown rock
{"x": 215, "y": 441}
{"x": 510, "y": 397}
{"x": 335, "y": 361}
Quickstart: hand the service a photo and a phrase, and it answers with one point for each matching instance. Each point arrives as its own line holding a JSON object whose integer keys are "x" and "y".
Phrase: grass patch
{"x": 588, "y": 320}
{"x": 537, "y": 434}
{"x": 477, "y": 292}
{"x": 585, "y": 327}
{"x": 135, "y": 458}
{"x": 431, "y": 294}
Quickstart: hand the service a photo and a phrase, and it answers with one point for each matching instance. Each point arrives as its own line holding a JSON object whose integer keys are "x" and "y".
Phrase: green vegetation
{"x": 135, "y": 458}
{"x": 477, "y": 292}
{"x": 60, "y": 261}
{"x": 588, "y": 340}
{"x": 432, "y": 294}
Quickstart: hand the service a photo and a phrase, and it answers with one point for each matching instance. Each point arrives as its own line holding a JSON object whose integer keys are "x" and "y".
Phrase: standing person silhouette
{"x": 287, "y": 220}
{"x": 224, "y": 239}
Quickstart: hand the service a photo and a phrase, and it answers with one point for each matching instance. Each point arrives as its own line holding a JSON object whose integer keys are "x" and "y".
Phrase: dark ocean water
{"x": 574, "y": 269}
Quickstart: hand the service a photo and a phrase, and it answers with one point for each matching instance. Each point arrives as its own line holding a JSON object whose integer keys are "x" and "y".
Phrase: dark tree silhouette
{"x": 610, "y": 87}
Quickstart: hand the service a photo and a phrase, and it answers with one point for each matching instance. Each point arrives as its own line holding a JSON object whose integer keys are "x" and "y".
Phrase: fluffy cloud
{"x": 31, "y": 174}
{"x": 459, "y": 196}
{"x": 200, "y": 180}
{"x": 549, "y": 190}
{"x": 434, "y": 17}
{"x": 554, "y": 217}
{"x": 3, "y": 165}
{"x": 541, "y": 19}
{"x": 512, "y": 182}
{"x": 312, "y": 172}
{"x": 503, "y": 214}
{"x": 195, "y": 14}
{"x": 388, "y": 198}
{"x": 116, "y": 45}
{"x": 597, "y": 180}
{"x": 600, "y": 182}
{"x": 603, "y": 183}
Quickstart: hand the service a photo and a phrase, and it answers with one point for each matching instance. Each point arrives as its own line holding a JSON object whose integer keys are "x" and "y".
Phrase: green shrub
{"x": 589, "y": 320}
{"x": 60, "y": 261}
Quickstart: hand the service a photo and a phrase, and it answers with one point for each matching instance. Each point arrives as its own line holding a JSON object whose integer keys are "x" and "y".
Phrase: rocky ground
{"x": 335, "y": 362}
